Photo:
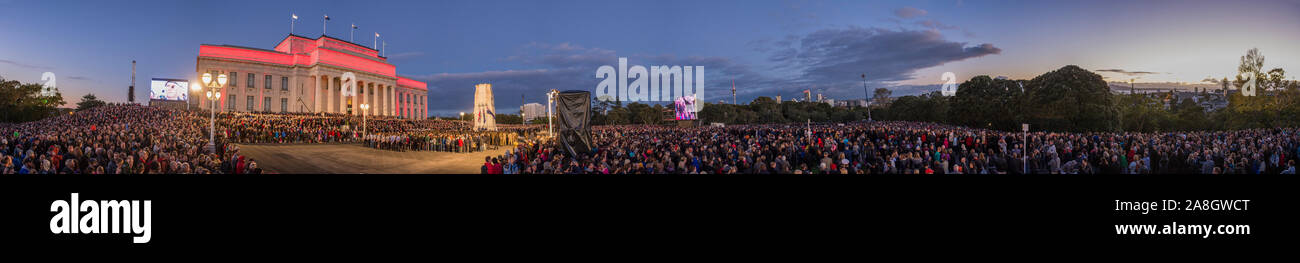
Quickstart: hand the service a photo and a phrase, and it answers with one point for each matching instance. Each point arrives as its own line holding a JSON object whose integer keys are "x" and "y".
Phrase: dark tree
{"x": 89, "y": 101}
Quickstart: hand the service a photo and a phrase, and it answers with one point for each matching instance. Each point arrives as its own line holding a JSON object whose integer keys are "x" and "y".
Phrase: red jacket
{"x": 495, "y": 169}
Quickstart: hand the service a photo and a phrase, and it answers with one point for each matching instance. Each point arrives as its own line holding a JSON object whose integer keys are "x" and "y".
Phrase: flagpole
{"x": 352, "y": 32}
{"x": 323, "y": 23}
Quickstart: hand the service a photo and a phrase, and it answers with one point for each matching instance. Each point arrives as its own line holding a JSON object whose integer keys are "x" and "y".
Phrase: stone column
{"x": 328, "y": 107}
{"x": 315, "y": 93}
{"x": 342, "y": 99}
{"x": 370, "y": 98}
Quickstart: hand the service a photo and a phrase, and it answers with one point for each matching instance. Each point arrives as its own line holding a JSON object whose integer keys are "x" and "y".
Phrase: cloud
{"x": 1128, "y": 73}
{"x": 79, "y": 78}
{"x": 932, "y": 24}
{"x": 909, "y": 12}
{"x": 564, "y": 55}
{"x": 836, "y": 57}
{"x": 20, "y": 64}
{"x": 796, "y": 16}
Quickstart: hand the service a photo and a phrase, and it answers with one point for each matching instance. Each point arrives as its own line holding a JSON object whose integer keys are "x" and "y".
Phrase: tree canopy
{"x": 89, "y": 101}
{"x": 22, "y": 102}
{"x": 1066, "y": 99}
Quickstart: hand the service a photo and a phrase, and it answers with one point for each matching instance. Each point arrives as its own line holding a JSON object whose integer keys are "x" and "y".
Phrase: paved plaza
{"x": 356, "y": 159}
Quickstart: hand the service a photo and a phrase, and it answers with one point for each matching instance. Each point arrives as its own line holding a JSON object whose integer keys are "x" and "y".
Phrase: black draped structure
{"x": 573, "y": 110}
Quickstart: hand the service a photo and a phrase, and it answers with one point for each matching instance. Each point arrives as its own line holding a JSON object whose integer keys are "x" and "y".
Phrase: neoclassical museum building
{"x": 307, "y": 75}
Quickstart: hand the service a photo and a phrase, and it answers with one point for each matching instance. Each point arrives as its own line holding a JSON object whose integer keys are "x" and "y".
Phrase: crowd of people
{"x": 380, "y": 132}
{"x": 133, "y": 139}
{"x": 906, "y": 148}
{"x": 118, "y": 139}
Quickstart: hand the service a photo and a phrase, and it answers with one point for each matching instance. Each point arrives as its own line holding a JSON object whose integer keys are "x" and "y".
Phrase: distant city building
{"x": 778, "y": 98}
{"x": 1213, "y": 101}
{"x": 850, "y": 103}
{"x": 532, "y": 111}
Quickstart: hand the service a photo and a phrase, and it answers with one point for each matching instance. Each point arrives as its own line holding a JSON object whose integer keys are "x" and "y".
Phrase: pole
{"x": 733, "y": 92}
{"x": 364, "y": 131}
{"x": 866, "y": 95}
{"x": 130, "y": 92}
{"x": 1024, "y": 157}
{"x": 352, "y": 32}
{"x": 212, "y": 125}
{"x": 550, "y": 97}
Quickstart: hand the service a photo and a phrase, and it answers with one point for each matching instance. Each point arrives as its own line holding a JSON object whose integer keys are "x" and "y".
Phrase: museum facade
{"x": 310, "y": 75}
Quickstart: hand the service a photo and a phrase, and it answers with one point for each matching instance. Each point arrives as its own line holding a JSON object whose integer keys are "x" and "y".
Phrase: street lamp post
{"x": 214, "y": 86}
{"x": 550, "y": 128}
{"x": 365, "y": 108}
{"x": 1024, "y": 157}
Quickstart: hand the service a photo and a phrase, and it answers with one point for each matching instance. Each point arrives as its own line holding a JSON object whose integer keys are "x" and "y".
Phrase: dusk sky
{"x": 767, "y": 47}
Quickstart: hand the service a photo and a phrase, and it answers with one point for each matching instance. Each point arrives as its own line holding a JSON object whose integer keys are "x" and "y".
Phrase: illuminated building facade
{"x": 306, "y": 75}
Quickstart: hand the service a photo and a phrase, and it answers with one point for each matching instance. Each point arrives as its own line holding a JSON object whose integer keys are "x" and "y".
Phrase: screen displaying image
{"x": 684, "y": 108}
{"x": 169, "y": 89}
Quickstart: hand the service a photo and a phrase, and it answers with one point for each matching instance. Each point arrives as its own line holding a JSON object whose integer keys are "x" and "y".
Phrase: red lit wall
{"x": 410, "y": 83}
{"x": 245, "y": 54}
{"x": 300, "y": 51}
